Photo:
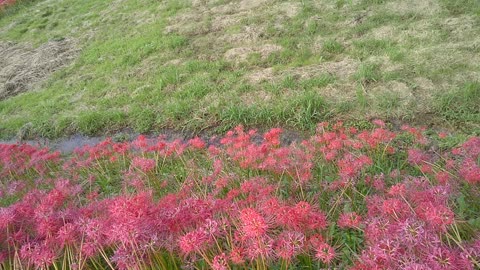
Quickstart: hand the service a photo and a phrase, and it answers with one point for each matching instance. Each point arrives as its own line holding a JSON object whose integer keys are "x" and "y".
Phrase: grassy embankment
{"x": 212, "y": 65}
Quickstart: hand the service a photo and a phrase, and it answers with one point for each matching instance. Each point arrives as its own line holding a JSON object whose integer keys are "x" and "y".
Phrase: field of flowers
{"x": 344, "y": 199}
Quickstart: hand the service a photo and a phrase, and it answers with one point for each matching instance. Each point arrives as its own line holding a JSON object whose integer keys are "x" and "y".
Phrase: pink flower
{"x": 442, "y": 258}
{"x": 237, "y": 255}
{"x": 379, "y": 123}
{"x": 394, "y": 207}
{"x": 472, "y": 147}
{"x": 325, "y": 253}
{"x": 89, "y": 249}
{"x": 260, "y": 247}
{"x": 442, "y": 177}
{"x": 436, "y": 215}
{"x": 349, "y": 220}
{"x": 143, "y": 164}
{"x": 416, "y": 156}
{"x": 193, "y": 241}
{"x": 140, "y": 142}
{"x": 197, "y": 143}
{"x": 397, "y": 190}
{"x": 412, "y": 231}
{"x": 213, "y": 150}
{"x": 252, "y": 223}
{"x": 39, "y": 254}
{"x": 350, "y": 166}
{"x": 220, "y": 262}
{"x": 470, "y": 171}
{"x": 125, "y": 259}
{"x": 7, "y": 216}
{"x": 289, "y": 244}
{"x": 272, "y": 137}
{"x": 67, "y": 234}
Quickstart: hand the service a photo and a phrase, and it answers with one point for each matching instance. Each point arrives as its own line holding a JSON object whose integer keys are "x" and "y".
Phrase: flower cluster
{"x": 341, "y": 199}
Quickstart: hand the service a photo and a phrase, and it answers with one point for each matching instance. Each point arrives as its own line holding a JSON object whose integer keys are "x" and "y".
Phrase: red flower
{"x": 416, "y": 157}
{"x": 220, "y": 262}
{"x": 193, "y": 241}
{"x": 272, "y": 137}
{"x": 237, "y": 255}
{"x": 143, "y": 164}
{"x": 379, "y": 123}
{"x": 349, "y": 220}
{"x": 252, "y": 223}
{"x": 289, "y": 244}
{"x": 325, "y": 253}
{"x": 436, "y": 215}
{"x": 197, "y": 143}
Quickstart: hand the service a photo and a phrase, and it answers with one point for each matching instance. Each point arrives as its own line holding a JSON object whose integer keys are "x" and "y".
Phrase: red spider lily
{"x": 325, "y": 253}
{"x": 197, "y": 143}
{"x": 143, "y": 164}
{"x": 289, "y": 244}
{"x": 248, "y": 201}
{"x": 252, "y": 223}
{"x": 220, "y": 262}
{"x": 349, "y": 220}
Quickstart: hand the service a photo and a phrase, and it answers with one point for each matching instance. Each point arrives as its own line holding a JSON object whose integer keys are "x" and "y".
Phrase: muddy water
{"x": 67, "y": 145}
{"x": 64, "y": 145}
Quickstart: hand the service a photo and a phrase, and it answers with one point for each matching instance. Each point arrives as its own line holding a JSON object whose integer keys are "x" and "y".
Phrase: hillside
{"x": 95, "y": 66}
{"x": 246, "y": 134}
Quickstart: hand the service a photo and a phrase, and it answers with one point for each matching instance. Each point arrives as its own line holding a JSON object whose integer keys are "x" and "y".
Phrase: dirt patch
{"x": 395, "y": 90}
{"x": 223, "y": 21}
{"x": 241, "y": 54}
{"x": 400, "y": 88}
{"x": 261, "y": 75}
{"x": 215, "y": 21}
{"x": 404, "y": 7}
{"x": 289, "y": 9}
{"x": 251, "y": 4}
{"x": 343, "y": 69}
{"x": 385, "y": 63}
{"x": 422, "y": 30}
{"x": 252, "y": 98}
{"x": 461, "y": 26}
{"x": 424, "y": 84}
{"x": 383, "y": 32}
{"x": 329, "y": 5}
{"x": 23, "y": 67}
{"x": 447, "y": 55}
{"x": 239, "y": 6}
{"x": 217, "y": 17}
{"x": 248, "y": 35}
{"x": 174, "y": 62}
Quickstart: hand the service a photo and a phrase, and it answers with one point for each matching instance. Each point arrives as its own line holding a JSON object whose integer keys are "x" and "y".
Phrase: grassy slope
{"x": 150, "y": 64}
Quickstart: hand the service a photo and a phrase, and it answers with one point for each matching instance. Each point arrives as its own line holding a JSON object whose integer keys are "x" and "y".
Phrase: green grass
{"x": 460, "y": 107}
{"x": 333, "y": 46}
{"x": 149, "y": 65}
{"x": 459, "y": 7}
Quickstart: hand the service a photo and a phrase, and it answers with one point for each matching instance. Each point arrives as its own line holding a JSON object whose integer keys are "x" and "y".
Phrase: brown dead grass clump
{"x": 23, "y": 67}
{"x": 241, "y": 53}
